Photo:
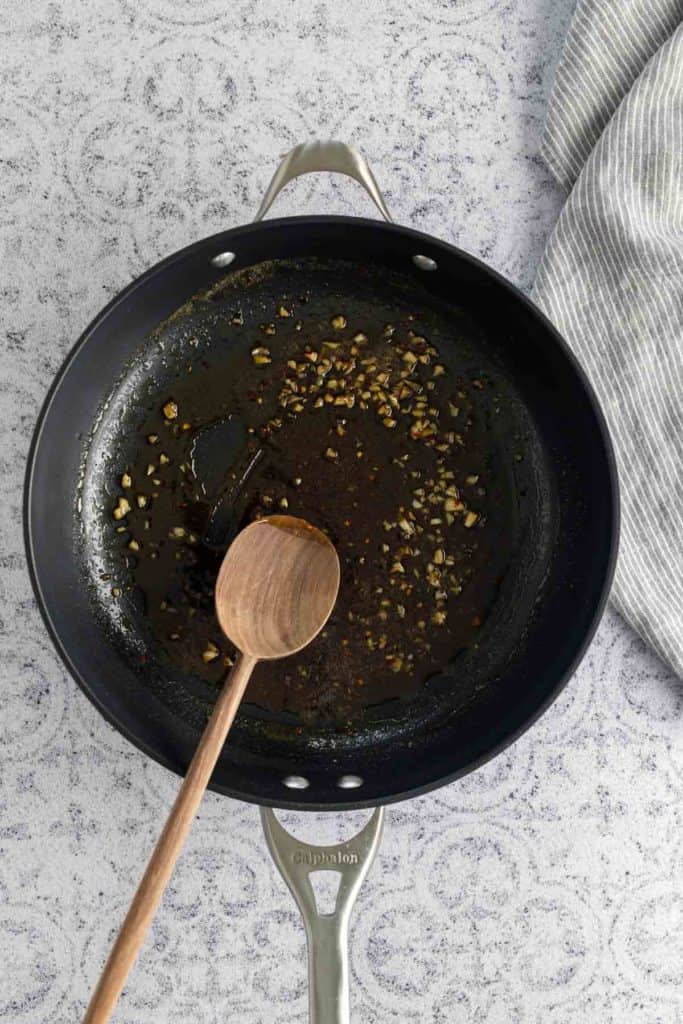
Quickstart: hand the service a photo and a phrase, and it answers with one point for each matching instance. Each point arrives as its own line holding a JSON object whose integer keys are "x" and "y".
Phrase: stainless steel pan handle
{"x": 337, "y": 157}
{"x": 326, "y": 934}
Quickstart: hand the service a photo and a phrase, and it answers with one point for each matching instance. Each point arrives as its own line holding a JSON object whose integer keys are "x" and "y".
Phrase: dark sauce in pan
{"x": 375, "y": 434}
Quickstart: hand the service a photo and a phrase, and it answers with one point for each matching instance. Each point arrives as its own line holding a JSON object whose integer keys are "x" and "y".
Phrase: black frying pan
{"x": 553, "y": 501}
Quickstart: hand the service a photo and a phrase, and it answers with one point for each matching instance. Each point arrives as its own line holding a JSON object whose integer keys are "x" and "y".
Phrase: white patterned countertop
{"x": 546, "y": 887}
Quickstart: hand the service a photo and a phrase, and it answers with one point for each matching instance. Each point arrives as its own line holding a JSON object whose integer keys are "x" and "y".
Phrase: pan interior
{"x": 200, "y": 358}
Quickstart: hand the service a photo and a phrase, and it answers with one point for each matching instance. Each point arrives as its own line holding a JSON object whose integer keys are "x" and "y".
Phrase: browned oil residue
{"x": 365, "y": 433}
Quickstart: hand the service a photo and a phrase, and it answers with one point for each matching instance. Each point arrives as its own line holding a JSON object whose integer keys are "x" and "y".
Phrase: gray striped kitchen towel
{"x": 608, "y": 44}
{"x": 611, "y": 278}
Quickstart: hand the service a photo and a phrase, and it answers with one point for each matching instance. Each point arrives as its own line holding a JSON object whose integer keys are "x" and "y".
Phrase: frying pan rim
{"x": 422, "y": 240}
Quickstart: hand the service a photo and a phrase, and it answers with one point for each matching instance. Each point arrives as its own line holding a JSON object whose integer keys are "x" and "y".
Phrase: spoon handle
{"x": 169, "y": 845}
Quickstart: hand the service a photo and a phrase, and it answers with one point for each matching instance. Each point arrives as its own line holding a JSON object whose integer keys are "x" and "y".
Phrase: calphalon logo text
{"x": 316, "y": 859}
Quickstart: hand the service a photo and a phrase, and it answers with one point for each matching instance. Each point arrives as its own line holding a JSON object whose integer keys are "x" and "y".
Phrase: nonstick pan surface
{"x": 555, "y": 512}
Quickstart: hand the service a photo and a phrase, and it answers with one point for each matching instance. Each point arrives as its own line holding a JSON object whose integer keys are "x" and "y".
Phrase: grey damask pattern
{"x": 543, "y": 888}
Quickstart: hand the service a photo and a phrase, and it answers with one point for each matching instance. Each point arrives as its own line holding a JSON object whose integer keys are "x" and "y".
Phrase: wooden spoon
{"x": 275, "y": 591}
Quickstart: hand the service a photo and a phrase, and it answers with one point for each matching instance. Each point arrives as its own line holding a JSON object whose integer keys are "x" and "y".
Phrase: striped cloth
{"x": 611, "y": 278}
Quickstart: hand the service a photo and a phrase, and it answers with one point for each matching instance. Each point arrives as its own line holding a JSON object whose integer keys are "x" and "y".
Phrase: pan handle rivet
{"x": 349, "y": 782}
{"x": 296, "y": 782}
{"x": 424, "y": 262}
{"x": 223, "y": 259}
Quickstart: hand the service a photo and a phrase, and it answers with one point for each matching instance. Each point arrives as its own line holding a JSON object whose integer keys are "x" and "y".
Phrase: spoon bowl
{"x": 276, "y": 587}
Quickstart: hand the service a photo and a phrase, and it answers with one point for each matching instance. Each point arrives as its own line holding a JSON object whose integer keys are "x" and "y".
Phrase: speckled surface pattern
{"x": 544, "y": 887}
